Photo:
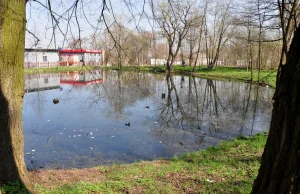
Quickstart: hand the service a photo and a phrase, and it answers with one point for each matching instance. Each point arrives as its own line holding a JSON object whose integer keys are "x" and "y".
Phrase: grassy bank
{"x": 266, "y": 76}
{"x": 228, "y": 168}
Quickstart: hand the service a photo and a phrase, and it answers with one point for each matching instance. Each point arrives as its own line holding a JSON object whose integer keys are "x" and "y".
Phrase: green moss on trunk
{"x": 12, "y": 39}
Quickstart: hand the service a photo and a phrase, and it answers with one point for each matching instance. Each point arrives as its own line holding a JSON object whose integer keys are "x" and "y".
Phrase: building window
{"x": 45, "y": 59}
{"x": 80, "y": 58}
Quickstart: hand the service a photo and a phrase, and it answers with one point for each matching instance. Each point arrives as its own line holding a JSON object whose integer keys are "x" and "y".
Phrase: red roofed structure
{"x": 76, "y": 57}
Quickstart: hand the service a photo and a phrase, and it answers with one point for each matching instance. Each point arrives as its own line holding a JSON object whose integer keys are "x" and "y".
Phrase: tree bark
{"x": 280, "y": 167}
{"x": 12, "y": 39}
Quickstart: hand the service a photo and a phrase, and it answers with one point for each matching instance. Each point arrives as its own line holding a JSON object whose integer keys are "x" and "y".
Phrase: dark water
{"x": 168, "y": 116}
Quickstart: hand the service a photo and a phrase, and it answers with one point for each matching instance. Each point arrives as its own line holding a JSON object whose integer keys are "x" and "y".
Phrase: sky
{"x": 40, "y": 30}
{"x": 45, "y": 32}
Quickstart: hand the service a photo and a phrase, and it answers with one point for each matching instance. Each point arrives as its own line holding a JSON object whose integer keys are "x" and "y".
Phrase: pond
{"x": 107, "y": 117}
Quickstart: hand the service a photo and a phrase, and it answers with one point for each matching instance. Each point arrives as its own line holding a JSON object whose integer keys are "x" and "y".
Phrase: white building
{"x": 38, "y": 57}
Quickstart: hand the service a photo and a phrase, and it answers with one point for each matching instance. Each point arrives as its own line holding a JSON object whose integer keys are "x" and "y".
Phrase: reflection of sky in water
{"x": 87, "y": 127}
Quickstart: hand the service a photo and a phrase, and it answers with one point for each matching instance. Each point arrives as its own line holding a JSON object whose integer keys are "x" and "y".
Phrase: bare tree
{"x": 201, "y": 29}
{"x": 174, "y": 18}
{"x": 218, "y": 33}
{"x": 124, "y": 46}
{"x": 289, "y": 14}
{"x": 193, "y": 38}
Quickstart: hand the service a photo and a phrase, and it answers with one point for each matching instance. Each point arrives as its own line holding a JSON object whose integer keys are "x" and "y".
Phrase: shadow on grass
{"x": 14, "y": 187}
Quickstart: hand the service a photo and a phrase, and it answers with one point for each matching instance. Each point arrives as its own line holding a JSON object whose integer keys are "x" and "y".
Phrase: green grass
{"x": 13, "y": 187}
{"x": 230, "y": 167}
{"x": 266, "y": 76}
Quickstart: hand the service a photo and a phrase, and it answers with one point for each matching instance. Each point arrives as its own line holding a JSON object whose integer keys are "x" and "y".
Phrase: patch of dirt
{"x": 137, "y": 190}
{"x": 50, "y": 178}
{"x": 179, "y": 180}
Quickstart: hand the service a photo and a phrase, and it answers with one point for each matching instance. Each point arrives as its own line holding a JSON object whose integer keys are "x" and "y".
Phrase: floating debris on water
{"x": 55, "y": 101}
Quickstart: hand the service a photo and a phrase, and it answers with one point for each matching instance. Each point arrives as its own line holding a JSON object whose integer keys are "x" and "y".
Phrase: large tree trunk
{"x": 280, "y": 167}
{"x": 12, "y": 39}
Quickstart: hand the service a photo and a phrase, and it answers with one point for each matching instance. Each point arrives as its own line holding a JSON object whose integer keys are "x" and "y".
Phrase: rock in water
{"x": 55, "y": 101}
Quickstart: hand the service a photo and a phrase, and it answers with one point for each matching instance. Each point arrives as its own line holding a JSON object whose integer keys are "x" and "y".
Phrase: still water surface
{"x": 168, "y": 116}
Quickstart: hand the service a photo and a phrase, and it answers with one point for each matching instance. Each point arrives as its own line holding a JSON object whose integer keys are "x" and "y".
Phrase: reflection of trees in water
{"x": 254, "y": 109}
{"x": 37, "y": 102}
{"x": 213, "y": 106}
{"x": 191, "y": 103}
{"x": 195, "y": 112}
{"x": 245, "y": 108}
{"x": 199, "y": 112}
{"x": 183, "y": 109}
{"x": 35, "y": 82}
{"x": 172, "y": 112}
{"x": 124, "y": 89}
